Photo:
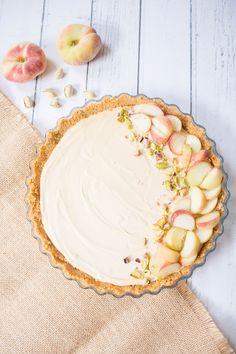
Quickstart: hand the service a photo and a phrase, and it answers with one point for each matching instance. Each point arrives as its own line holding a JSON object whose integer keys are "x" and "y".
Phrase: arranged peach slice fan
{"x": 148, "y": 147}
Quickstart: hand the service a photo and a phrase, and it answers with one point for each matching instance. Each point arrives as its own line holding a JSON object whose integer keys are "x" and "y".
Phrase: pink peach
{"x": 78, "y": 44}
{"x": 202, "y": 155}
{"x": 24, "y": 62}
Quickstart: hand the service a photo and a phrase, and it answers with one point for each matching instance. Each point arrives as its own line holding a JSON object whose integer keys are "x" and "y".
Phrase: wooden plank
{"x": 19, "y": 22}
{"x": 115, "y": 69}
{"x": 57, "y": 16}
{"x": 214, "y": 106}
{"x": 165, "y": 51}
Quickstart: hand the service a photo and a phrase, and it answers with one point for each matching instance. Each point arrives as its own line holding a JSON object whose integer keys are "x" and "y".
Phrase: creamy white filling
{"x": 98, "y": 201}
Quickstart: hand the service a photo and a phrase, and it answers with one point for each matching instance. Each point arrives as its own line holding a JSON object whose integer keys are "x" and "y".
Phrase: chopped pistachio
{"x": 145, "y": 241}
{"x": 153, "y": 146}
{"x": 183, "y": 192}
{"x": 167, "y": 226}
{"x": 145, "y": 261}
{"x": 151, "y": 152}
{"x": 161, "y": 222}
{"x": 162, "y": 165}
{"x": 137, "y": 274}
{"x": 168, "y": 185}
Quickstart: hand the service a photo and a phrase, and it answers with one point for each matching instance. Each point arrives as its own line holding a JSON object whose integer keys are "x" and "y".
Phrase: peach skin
{"x": 24, "y": 62}
{"x": 78, "y": 44}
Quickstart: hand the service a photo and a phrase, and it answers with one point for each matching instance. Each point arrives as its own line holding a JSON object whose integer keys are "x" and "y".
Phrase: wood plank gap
{"x": 191, "y": 56}
{"x": 139, "y": 43}
{"x": 91, "y": 24}
{"x": 40, "y": 43}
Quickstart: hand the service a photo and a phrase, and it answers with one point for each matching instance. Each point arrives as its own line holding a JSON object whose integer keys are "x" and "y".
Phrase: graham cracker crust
{"x": 33, "y": 195}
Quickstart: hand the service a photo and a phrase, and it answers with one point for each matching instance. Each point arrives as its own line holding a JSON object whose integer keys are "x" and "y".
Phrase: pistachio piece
{"x": 55, "y": 103}
{"x": 49, "y": 92}
{"x": 28, "y": 102}
{"x": 59, "y": 74}
{"x": 69, "y": 91}
{"x": 162, "y": 165}
{"x": 88, "y": 95}
{"x": 137, "y": 274}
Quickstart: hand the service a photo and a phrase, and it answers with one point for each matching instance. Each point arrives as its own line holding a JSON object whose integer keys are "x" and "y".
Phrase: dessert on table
{"x": 126, "y": 195}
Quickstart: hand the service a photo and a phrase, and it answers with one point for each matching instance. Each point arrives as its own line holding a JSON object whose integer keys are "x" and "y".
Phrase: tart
{"x": 127, "y": 195}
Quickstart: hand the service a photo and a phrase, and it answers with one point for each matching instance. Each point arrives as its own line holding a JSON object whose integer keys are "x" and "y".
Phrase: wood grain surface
{"x": 183, "y": 51}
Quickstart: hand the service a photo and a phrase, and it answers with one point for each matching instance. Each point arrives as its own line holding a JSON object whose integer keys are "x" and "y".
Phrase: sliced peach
{"x": 141, "y": 122}
{"x": 212, "y": 179}
{"x": 168, "y": 269}
{"x": 204, "y": 235}
{"x": 163, "y": 257}
{"x": 176, "y": 123}
{"x": 180, "y": 204}
{"x": 174, "y": 238}
{"x": 163, "y": 124}
{"x": 185, "y": 261}
{"x": 183, "y": 219}
{"x": 194, "y": 142}
{"x": 157, "y": 136}
{"x": 198, "y": 172}
{"x": 202, "y": 155}
{"x": 208, "y": 221}
{"x": 191, "y": 245}
{"x": 198, "y": 200}
{"x": 213, "y": 193}
{"x": 149, "y": 109}
{"x": 210, "y": 205}
{"x": 186, "y": 156}
{"x": 176, "y": 142}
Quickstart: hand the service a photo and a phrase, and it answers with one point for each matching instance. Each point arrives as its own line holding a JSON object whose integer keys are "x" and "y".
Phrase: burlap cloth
{"x": 42, "y": 312}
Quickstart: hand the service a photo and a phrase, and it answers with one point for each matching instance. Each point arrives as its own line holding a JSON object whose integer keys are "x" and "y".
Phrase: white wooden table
{"x": 181, "y": 50}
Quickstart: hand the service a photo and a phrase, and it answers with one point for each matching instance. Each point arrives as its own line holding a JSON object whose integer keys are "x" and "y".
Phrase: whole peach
{"x": 78, "y": 44}
{"x": 24, "y": 62}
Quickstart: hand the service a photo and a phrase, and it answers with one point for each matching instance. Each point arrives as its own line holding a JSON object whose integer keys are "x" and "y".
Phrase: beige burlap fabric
{"x": 42, "y": 312}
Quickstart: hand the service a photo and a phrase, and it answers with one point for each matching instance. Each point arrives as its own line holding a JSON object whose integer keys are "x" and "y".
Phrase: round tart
{"x": 127, "y": 195}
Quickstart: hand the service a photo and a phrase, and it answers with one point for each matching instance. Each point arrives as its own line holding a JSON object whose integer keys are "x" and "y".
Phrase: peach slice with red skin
{"x": 212, "y": 179}
{"x": 183, "y": 219}
{"x": 164, "y": 257}
{"x": 191, "y": 245}
{"x": 180, "y": 204}
{"x": 141, "y": 122}
{"x": 167, "y": 269}
{"x": 204, "y": 235}
{"x": 194, "y": 142}
{"x": 176, "y": 142}
{"x": 198, "y": 200}
{"x": 208, "y": 221}
{"x": 163, "y": 124}
{"x": 198, "y": 172}
{"x": 150, "y": 109}
{"x": 174, "y": 238}
{"x": 161, "y": 129}
{"x": 213, "y": 193}
{"x": 202, "y": 155}
{"x": 24, "y": 62}
{"x": 176, "y": 123}
{"x": 210, "y": 205}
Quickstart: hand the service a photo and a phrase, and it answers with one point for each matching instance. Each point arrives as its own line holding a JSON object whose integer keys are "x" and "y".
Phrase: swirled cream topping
{"x": 99, "y": 201}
